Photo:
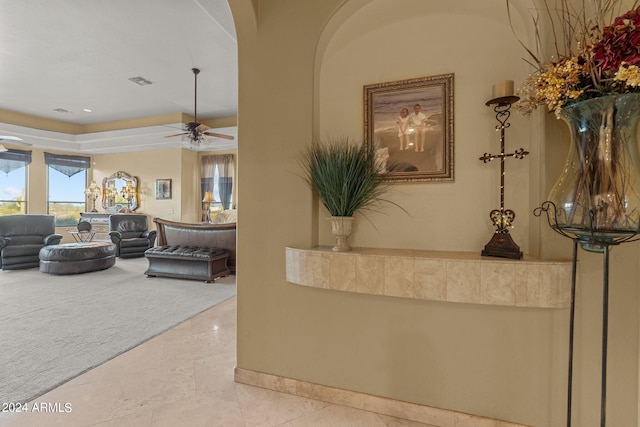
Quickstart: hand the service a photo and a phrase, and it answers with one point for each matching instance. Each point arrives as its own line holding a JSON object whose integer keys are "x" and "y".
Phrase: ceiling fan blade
{"x": 202, "y": 128}
{"x": 177, "y": 134}
{"x": 219, "y": 135}
{"x": 14, "y": 140}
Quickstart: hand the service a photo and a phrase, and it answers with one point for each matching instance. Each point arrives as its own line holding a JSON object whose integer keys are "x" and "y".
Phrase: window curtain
{"x": 225, "y": 178}
{"x": 14, "y": 159}
{"x": 224, "y": 164}
{"x": 68, "y": 165}
{"x": 207, "y": 172}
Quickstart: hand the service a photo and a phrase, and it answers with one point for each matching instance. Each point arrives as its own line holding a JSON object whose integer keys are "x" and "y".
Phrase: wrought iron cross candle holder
{"x": 501, "y": 243}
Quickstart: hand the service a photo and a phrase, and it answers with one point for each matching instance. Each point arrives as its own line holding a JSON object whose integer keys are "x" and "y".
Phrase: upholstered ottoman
{"x": 74, "y": 258}
{"x": 187, "y": 262}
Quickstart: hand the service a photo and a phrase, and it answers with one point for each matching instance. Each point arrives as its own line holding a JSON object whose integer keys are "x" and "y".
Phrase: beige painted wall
{"x": 383, "y": 42}
{"x": 147, "y": 167}
{"x": 36, "y": 182}
{"x": 302, "y": 66}
{"x": 180, "y": 165}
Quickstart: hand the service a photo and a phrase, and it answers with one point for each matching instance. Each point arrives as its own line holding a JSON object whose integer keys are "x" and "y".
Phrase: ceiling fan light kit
{"x": 196, "y": 133}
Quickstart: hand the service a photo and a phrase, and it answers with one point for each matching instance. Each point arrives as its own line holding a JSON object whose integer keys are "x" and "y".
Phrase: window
{"x": 217, "y": 177}
{"x": 67, "y": 180}
{"x": 216, "y": 186}
{"x": 13, "y": 182}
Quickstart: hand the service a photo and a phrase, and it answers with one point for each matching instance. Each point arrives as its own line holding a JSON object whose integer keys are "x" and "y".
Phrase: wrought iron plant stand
{"x": 596, "y": 201}
{"x": 593, "y": 240}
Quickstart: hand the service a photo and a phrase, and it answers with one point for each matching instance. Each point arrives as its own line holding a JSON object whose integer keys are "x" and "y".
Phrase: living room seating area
{"x": 187, "y": 251}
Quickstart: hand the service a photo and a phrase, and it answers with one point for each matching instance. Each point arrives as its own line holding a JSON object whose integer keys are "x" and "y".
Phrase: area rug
{"x": 54, "y": 328}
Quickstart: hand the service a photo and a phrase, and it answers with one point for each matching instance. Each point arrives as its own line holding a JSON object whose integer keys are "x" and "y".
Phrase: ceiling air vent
{"x": 140, "y": 81}
{"x": 60, "y": 110}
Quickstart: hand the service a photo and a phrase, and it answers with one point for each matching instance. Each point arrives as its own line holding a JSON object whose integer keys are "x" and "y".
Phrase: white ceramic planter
{"x": 341, "y": 227}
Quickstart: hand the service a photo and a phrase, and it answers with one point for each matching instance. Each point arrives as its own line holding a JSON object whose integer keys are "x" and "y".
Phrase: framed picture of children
{"x": 409, "y": 123}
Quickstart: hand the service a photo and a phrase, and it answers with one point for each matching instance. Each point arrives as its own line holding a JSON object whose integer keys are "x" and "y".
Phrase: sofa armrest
{"x": 151, "y": 236}
{"x": 52, "y": 239}
{"x": 4, "y": 241}
{"x": 116, "y": 237}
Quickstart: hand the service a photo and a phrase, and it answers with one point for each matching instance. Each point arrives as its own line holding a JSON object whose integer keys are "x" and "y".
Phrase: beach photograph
{"x": 408, "y": 129}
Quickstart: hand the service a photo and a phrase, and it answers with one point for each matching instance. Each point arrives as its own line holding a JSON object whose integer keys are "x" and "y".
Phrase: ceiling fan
{"x": 194, "y": 131}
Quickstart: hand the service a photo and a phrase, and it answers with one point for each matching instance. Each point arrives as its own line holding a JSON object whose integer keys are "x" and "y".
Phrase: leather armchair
{"x": 22, "y": 237}
{"x": 131, "y": 235}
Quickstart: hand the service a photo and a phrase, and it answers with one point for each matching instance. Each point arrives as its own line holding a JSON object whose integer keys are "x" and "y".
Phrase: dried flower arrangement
{"x": 592, "y": 59}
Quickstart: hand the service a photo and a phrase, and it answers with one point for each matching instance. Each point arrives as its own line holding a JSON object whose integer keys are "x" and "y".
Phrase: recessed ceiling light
{"x": 87, "y": 110}
{"x": 9, "y": 138}
{"x": 140, "y": 81}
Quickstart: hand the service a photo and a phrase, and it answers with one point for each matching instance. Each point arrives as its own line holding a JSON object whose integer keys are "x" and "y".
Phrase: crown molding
{"x": 139, "y": 134}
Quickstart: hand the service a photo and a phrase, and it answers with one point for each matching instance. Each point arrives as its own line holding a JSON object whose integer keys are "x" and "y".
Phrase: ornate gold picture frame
{"x": 410, "y": 125}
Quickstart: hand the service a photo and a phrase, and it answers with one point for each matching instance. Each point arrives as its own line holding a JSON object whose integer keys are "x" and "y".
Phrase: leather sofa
{"x": 131, "y": 235}
{"x": 22, "y": 237}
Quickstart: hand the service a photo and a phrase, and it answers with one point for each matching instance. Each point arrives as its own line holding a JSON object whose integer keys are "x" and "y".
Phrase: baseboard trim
{"x": 394, "y": 408}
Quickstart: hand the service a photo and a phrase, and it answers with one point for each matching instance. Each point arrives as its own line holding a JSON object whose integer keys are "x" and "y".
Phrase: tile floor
{"x": 184, "y": 378}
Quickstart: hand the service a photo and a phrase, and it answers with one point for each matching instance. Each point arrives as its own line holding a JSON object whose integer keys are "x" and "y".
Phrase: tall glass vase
{"x": 596, "y": 197}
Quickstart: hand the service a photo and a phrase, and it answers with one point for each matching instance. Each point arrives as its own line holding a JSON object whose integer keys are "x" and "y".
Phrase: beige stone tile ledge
{"x": 381, "y": 405}
{"x": 460, "y": 277}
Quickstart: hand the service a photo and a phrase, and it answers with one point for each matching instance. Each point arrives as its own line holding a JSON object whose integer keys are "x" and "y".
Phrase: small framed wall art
{"x": 410, "y": 125}
{"x": 163, "y": 189}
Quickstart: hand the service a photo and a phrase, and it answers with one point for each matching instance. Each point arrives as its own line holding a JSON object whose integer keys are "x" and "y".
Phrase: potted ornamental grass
{"x": 347, "y": 177}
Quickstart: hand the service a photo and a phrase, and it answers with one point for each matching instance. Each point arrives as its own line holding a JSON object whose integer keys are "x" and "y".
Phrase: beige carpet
{"x": 54, "y": 328}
